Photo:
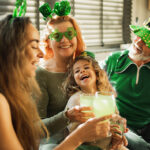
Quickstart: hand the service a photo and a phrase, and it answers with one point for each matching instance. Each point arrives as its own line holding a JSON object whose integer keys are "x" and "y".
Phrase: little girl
{"x": 85, "y": 76}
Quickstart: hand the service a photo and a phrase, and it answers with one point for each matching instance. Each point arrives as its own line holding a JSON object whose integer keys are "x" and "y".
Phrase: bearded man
{"x": 129, "y": 74}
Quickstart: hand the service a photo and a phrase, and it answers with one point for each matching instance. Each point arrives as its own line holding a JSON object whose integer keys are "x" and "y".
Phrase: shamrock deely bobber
{"x": 62, "y": 8}
{"x": 46, "y": 11}
{"x": 20, "y": 9}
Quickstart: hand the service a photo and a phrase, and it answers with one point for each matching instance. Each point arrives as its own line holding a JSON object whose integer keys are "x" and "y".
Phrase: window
{"x": 32, "y": 10}
{"x": 104, "y": 23}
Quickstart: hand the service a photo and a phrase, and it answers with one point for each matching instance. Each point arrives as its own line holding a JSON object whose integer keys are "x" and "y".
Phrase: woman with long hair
{"x": 20, "y": 125}
{"x": 19, "y": 49}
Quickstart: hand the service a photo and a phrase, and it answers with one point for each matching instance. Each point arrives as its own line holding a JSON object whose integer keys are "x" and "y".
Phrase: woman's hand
{"x": 80, "y": 114}
{"x": 94, "y": 129}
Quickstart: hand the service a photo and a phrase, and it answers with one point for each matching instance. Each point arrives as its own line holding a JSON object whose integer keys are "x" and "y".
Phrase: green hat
{"x": 88, "y": 53}
{"x": 142, "y": 31}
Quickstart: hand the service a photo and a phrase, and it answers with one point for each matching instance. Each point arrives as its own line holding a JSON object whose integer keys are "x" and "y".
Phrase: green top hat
{"x": 142, "y": 31}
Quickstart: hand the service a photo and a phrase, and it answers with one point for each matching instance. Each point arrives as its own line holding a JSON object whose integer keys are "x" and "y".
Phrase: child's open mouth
{"x": 84, "y": 77}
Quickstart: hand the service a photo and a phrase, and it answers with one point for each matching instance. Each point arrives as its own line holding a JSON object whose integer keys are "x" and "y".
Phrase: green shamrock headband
{"x": 142, "y": 31}
{"x": 20, "y": 8}
{"x": 62, "y": 8}
{"x": 88, "y": 53}
{"x": 57, "y": 36}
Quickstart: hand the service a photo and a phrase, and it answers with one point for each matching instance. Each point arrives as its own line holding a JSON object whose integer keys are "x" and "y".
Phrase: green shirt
{"x": 132, "y": 84}
{"x": 52, "y": 103}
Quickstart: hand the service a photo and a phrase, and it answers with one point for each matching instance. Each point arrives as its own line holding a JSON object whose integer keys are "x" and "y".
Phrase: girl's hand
{"x": 118, "y": 139}
{"x": 80, "y": 114}
{"x": 122, "y": 122}
{"x": 94, "y": 129}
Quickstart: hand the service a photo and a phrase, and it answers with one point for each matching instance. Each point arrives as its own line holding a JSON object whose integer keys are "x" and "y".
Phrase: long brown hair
{"x": 59, "y": 19}
{"x": 70, "y": 86}
{"x": 14, "y": 85}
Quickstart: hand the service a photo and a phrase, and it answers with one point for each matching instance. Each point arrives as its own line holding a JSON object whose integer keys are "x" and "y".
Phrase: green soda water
{"x": 86, "y": 100}
{"x": 102, "y": 104}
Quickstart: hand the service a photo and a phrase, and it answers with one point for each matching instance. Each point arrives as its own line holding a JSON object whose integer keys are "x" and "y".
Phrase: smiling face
{"x": 33, "y": 53}
{"x": 65, "y": 47}
{"x": 84, "y": 75}
{"x": 140, "y": 50}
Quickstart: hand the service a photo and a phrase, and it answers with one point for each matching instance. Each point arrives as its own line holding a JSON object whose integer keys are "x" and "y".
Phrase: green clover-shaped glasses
{"x": 57, "y": 36}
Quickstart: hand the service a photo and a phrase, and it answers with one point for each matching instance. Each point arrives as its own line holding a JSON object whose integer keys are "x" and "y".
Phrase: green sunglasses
{"x": 57, "y": 36}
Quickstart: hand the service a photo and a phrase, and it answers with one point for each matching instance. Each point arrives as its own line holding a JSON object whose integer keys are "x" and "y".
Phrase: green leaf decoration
{"x": 20, "y": 9}
{"x": 15, "y": 12}
{"x": 46, "y": 11}
{"x": 23, "y": 9}
{"x": 62, "y": 8}
{"x": 18, "y": 3}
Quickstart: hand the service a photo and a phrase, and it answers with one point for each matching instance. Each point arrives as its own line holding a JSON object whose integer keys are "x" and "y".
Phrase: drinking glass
{"x": 103, "y": 103}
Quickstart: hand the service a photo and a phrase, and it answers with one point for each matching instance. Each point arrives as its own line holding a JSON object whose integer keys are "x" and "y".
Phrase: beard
{"x": 137, "y": 56}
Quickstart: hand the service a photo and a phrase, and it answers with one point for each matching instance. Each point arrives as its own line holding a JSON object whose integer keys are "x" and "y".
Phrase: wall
{"x": 101, "y": 56}
{"x": 140, "y": 11}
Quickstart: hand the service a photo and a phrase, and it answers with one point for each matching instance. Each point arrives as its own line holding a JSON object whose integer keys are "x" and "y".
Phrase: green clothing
{"x": 52, "y": 103}
{"x": 88, "y": 147}
{"x": 132, "y": 84}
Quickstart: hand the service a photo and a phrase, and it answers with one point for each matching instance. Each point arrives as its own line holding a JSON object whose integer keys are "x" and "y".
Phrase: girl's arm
{"x": 8, "y": 137}
{"x": 77, "y": 113}
{"x": 73, "y": 101}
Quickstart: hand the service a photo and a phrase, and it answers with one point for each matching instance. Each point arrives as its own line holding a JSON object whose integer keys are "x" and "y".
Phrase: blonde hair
{"x": 15, "y": 86}
{"x": 56, "y": 20}
{"x": 70, "y": 87}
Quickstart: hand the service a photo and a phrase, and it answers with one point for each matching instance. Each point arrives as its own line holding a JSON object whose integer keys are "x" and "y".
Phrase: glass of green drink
{"x": 86, "y": 100}
{"x": 102, "y": 103}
